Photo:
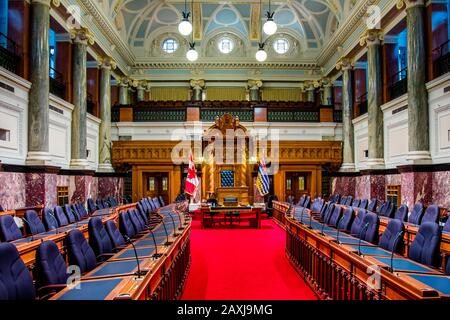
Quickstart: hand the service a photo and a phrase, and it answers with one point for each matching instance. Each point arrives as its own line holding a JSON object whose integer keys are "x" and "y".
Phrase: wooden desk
{"x": 164, "y": 278}
{"x": 337, "y": 272}
{"x": 252, "y": 214}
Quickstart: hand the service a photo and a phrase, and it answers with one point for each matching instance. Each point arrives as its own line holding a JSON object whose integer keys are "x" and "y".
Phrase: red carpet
{"x": 247, "y": 264}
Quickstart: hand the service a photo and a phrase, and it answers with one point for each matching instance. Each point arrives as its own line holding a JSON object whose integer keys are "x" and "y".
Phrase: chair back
{"x": 114, "y": 234}
{"x": 347, "y": 220}
{"x": 389, "y": 239}
{"x": 92, "y": 207}
{"x": 51, "y": 267}
{"x": 358, "y": 222}
{"x": 425, "y": 246}
{"x": 329, "y": 213}
{"x": 363, "y": 204}
{"x": 402, "y": 213}
{"x": 372, "y": 206}
{"x": 98, "y": 237}
{"x": 371, "y": 234}
{"x": 161, "y": 200}
{"x": 79, "y": 252}
{"x": 417, "y": 213}
{"x": 69, "y": 213}
{"x": 356, "y": 203}
{"x": 125, "y": 225}
{"x": 431, "y": 214}
{"x": 60, "y": 216}
{"x": 349, "y": 201}
{"x": 49, "y": 219}
{"x": 15, "y": 279}
{"x": 9, "y": 231}
{"x": 34, "y": 225}
{"x": 335, "y": 216}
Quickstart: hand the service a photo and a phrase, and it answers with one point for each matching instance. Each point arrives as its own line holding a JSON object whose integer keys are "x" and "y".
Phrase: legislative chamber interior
{"x": 224, "y": 150}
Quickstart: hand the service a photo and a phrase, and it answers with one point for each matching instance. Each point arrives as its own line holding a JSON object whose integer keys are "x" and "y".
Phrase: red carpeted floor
{"x": 242, "y": 264}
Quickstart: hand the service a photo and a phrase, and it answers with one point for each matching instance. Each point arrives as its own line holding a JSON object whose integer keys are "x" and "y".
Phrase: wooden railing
{"x": 441, "y": 64}
{"x": 399, "y": 84}
{"x": 57, "y": 85}
{"x": 362, "y": 104}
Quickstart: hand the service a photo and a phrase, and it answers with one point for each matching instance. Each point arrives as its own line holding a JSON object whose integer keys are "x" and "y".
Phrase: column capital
{"x": 254, "y": 84}
{"x": 326, "y": 82}
{"x": 197, "y": 83}
{"x": 82, "y": 35}
{"x": 309, "y": 85}
{"x": 124, "y": 82}
{"x": 143, "y": 85}
{"x": 371, "y": 37}
{"x": 409, "y": 3}
{"x": 107, "y": 62}
{"x": 345, "y": 63}
{"x": 56, "y": 3}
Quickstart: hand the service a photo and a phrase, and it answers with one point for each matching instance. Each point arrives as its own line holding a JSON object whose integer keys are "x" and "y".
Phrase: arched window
{"x": 170, "y": 45}
{"x": 281, "y": 45}
{"x": 226, "y": 45}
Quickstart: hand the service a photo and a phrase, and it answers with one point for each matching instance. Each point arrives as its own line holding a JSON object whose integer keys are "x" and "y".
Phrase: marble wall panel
{"x": 441, "y": 189}
{"x": 12, "y": 190}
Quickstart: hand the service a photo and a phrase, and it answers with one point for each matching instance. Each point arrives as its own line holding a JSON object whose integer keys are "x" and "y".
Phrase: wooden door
{"x": 157, "y": 184}
{"x": 297, "y": 184}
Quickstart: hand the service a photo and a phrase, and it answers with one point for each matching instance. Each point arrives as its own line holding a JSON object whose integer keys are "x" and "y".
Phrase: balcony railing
{"x": 57, "y": 85}
{"x": 442, "y": 63}
{"x": 399, "y": 84}
{"x": 9, "y": 57}
{"x": 362, "y": 104}
{"x": 90, "y": 104}
{"x": 177, "y": 111}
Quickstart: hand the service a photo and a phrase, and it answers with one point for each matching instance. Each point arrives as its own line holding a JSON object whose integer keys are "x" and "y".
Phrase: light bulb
{"x": 270, "y": 27}
{"x": 261, "y": 55}
{"x": 185, "y": 27}
{"x": 192, "y": 55}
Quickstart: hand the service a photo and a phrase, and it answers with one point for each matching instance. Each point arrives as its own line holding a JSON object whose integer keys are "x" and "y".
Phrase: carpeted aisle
{"x": 242, "y": 264}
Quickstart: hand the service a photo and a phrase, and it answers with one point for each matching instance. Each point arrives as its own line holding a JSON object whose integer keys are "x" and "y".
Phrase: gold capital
{"x": 409, "y": 3}
{"x": 107, "y": 62}
{"x": 344, "y": 63}
{"x": 82, "y": 35}
{"x": 197, "y": 83}
{"x": 371, "y": 37}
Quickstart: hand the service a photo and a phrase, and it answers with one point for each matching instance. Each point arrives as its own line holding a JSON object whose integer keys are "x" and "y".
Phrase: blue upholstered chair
{"x": 335, "y": 216}
{"x": 431, "y": 214}
{"x": 141, "y": 209}
{"x": 9, "y": 231}
{"x": 371, "y": 234}
{"x": 324, "y": 211}
{"x": 389, "y": 239}
{"x": 99, "y": 204}
{"x": 416, "y": 214}
{"x": 447, "y": 226}
{"x": 358, "y": 222}
{"x": 381, "y": 207}
{"x": 363, "y": 204}
{"x": 300, "y": 201}
{"x": 335, "y": 198}
{"x": 49, "y": 219}
{"x": 402, "y": 213}
{"x": 69, "y": 213}
{"x": 153, "y": 208}
{"x": 99, "y": 239}
{"x": 307, "y": 202}
{"x": 390, "y": 210}
{"x": 356, "y": 203}
{"x": 343, "y": 200}
{"x": 372, "y": 206}
{"x": 81, "y": 210}
{"x": 161, "y": 200}
{"x": 126, "y": 226}
{"x": 156, "y": 202}
{"x": 51, "y": 269}
{"x": 347, "y": 220}
{"x": 425, "y": 247}
{"x": 136, "y": 221}
{"x": 329, "y": 213}
{"x": 79, "y": 252}
{"x": 92, "y": 207}
{"x": 349, "y": 201}
{"x": 15, "y": 279}
{"x": 114, "y": 234}
{"x": 33, "y": 224}
{"x": 60, "y": 216}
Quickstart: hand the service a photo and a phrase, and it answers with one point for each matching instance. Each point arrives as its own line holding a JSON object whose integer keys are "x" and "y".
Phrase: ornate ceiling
{"x": 307, "y": 25}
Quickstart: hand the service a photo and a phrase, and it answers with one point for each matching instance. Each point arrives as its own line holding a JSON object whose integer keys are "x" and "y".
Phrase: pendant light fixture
{"x": 261, "y": 54}
{"x": 270, "y": 27}
{"x": 185, "y": 26}
{"x": 192, "y": 54}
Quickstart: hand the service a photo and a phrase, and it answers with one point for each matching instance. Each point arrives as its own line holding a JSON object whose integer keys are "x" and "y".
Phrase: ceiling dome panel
{"x": 284, "y": 17}
{"x": 226, "y": 17}
{"x": 167, "y": 15}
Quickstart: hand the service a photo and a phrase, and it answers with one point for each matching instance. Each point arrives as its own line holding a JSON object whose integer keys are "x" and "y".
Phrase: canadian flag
{"x": 191, "y": 180}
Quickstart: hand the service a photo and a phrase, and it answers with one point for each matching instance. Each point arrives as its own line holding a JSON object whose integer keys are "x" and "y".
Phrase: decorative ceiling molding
{"x": 227, "y": 65}
{"x": 346, "y": 29}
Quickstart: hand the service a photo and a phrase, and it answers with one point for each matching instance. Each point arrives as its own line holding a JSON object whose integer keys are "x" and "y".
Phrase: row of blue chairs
{"x": 388, "y": 209}
{"x": 51, "y": 270}
{"x": 424, "y": 249}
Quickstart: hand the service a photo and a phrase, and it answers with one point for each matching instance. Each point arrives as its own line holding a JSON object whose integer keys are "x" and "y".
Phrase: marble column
{"x": 197, "y": 89}
{"x": 123, "y": 91}
{"x": 81, "y": 37}
{"x": 141, "y": 91}
{"x": 418, "y": 119}
{"x": 327, "y": 92}
{"x": 372, "y": 38}
{"x": 38, "y": 112}
{"x": 348, "y": 162}
{"x": 254, "y": 87}
{"x": 104, "y": 161}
